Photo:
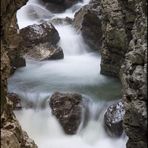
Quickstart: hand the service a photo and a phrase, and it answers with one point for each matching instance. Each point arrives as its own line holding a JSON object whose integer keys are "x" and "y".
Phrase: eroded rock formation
{"x": 134, "y": 80}
{"x": 12, "y": 135}
{"x": 124, "y": 55}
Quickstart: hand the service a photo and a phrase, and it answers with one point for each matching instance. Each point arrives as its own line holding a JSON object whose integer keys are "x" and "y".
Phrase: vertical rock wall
{"x": 124, "y": 54}
{"x": 134, "y": 80}
{"x": 12, "y": 135}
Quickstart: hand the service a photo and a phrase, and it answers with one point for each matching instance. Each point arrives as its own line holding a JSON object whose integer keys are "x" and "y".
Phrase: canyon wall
{"x": 124, "y": 54}
{"x": 134, "y": 80}
{"x": 123, "y": 28}
{"x": 12, "y": 135}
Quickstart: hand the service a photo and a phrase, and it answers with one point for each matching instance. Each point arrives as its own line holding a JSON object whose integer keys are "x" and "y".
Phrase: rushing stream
{"x": 79, "y": 71}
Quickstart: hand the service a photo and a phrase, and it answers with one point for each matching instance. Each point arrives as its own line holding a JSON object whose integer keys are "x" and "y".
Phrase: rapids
{"x": 79, "y": 71}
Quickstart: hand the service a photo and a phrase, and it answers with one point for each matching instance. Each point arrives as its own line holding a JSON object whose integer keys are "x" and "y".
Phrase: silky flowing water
{"x": 79, "y": 72}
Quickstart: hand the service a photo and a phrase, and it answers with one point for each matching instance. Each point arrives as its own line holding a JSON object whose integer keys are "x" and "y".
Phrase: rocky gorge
{"x": 116, "y": 29}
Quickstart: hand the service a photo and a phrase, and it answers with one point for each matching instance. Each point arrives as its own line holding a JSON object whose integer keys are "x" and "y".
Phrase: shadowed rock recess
{"x": 118, "y": 30}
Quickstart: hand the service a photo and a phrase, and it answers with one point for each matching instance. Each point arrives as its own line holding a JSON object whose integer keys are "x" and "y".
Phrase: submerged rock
{"x": 67, "y": 108}
{"x": 113, "y": 119}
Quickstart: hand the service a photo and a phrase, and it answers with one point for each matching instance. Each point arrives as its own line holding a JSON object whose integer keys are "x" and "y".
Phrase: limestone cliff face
{"x": 115, "y": 41}
{"x": 134, "y": 80}
{"x": 12, "y": 135}
{"x": 124, "y": 54}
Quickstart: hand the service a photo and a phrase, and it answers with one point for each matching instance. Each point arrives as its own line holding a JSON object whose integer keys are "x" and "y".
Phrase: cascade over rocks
{"x": 39, "y": 42}
{"x": 113, "y": 119}
{"x": 67, "y": 107}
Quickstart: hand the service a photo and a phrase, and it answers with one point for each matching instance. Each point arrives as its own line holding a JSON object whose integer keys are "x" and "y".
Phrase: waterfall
{"x": 79, "y": 71}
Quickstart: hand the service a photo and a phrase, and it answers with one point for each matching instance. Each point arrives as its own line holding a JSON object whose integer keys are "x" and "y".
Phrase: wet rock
{"x": 113, "y": 119}
{"x": 35, "y": 34}
{"x": 67, "y": 108}
{"x": 15, "y": 99}
{"x": 88, "y": 21}
{"x": 39, "y": 42}
{"x": 45, "y": 51}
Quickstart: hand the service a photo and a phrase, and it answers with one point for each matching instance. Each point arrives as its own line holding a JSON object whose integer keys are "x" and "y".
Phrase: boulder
{"x": 88, "y": 21}
{"x": 67, "y": 108}
{"x": 39, "y": 42}
{"x": 45, "y": 51}
{"x": 113, "y": 119}
{"x": 16, "y": 101}
{"x": 58, "y": 6}
{"x": 34, "y": 34}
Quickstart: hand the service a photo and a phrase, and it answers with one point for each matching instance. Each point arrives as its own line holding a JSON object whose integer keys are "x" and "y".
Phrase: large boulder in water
{"x": 113, "y": 119}
{"x": 67, "y": 107}
{"x": 42, "y": 33}
{"x": 39, "y": 42}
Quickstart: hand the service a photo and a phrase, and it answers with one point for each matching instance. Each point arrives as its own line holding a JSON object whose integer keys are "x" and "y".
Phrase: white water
{"x": 79, "y": 71}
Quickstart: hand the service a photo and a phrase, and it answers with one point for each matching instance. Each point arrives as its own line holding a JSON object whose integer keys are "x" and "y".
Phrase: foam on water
{"x": 46, "y": 131}
{"x": 79, "y": 71}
